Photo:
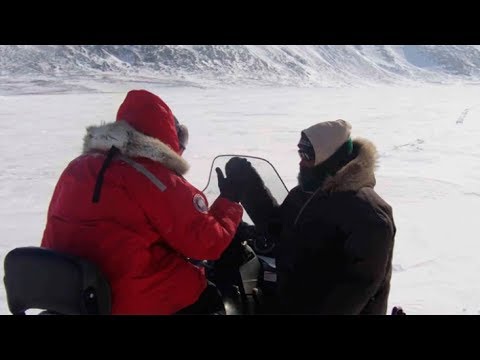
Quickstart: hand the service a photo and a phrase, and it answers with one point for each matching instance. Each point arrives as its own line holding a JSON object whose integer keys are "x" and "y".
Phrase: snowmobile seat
{"x": 40, "y": 278}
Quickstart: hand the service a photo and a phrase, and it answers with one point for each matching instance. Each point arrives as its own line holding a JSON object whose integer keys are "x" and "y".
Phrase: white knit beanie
{"x": 327, "y": 137}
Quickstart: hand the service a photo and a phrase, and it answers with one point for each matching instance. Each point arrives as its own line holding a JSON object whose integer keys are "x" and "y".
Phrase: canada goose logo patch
{"x": 200, "y": 204}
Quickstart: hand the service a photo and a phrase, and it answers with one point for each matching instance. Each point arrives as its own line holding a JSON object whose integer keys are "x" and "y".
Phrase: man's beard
{"x": 309, "y": 179}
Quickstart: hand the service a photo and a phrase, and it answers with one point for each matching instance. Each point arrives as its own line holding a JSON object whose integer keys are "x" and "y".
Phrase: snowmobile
{"x": 60, "y": 284}
{"x": 37, "y": 278}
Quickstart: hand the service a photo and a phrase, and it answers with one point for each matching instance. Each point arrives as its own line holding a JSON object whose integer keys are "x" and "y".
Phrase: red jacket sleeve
{"x": 181, "y": 216}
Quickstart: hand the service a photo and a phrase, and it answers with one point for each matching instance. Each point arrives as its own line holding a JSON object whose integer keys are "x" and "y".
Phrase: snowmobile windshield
{"x": 265, "y": 169}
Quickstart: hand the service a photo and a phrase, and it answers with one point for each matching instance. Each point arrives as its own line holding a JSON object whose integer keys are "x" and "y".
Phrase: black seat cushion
{"x": 40, "y": 278}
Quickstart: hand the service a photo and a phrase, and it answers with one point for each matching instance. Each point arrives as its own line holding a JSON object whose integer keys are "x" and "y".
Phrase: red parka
{"x": 141, "y": 232}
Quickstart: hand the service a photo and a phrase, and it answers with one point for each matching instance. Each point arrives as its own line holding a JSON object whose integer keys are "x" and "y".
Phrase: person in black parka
{"x": 335, "y": 234}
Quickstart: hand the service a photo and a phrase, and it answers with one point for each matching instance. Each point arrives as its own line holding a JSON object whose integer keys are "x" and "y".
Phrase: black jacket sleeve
{"x": 256, "y": 198}
{"x": 260, "y": 205}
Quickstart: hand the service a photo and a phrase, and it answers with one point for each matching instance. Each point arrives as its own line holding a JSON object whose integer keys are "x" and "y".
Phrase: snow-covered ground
{"x": 428, "y": 138}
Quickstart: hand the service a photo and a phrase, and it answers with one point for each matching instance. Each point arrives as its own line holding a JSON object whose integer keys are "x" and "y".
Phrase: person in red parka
{"x": 125, "y": 206}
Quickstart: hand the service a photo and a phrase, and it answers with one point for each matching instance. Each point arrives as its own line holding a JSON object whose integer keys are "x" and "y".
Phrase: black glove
{"x": 242, "y": 173}
{"x": 227, "y": 188}
{"x": 236, "y": 253}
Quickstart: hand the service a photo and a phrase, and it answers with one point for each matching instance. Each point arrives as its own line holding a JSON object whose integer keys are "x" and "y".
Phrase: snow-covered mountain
{"x": 297, "y": 65}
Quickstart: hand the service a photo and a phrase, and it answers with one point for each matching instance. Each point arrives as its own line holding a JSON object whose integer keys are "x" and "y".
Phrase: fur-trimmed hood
{"x": 358, "y": 173}
{"x": 132, "y": 143}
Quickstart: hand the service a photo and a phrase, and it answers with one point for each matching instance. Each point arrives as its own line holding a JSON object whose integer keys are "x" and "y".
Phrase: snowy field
{"x": 428, "y": 139}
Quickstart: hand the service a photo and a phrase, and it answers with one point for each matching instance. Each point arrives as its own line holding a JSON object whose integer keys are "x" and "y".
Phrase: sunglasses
{"x": 305, "y": 155}
{"x": 306, "y": 152}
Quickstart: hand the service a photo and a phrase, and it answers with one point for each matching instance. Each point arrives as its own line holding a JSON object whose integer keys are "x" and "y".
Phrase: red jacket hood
{"x": 150, "y": 115}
